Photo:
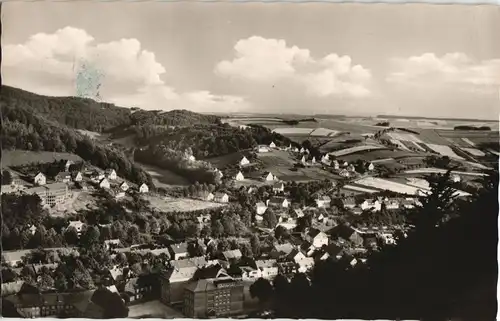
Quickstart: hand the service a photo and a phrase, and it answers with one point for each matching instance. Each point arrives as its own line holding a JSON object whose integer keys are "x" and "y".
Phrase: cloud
{"x": 127, "y": 73}
{"x": 451, "y": 68}
{"x": 267, "y": 61}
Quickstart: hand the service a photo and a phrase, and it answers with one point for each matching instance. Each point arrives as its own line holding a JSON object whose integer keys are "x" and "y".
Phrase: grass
{"x": 355, "y": 149}
{"x": 171, "y": 204}
{"x": 163, "y": 177}
{"x": 14, "y": 158}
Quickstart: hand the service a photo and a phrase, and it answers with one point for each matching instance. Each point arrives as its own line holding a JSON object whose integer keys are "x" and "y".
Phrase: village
{"x": 288, "y": 239}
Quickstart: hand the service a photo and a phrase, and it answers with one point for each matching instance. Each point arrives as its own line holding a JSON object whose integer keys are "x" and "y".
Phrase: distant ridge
{"x": 436, "y": 118}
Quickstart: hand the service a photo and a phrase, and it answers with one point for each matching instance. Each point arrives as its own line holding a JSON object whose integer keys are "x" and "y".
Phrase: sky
{"x": 306, "y": 58}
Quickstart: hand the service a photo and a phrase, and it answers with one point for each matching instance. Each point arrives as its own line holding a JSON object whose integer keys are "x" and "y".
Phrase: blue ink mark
{"x": 88, "y": 81}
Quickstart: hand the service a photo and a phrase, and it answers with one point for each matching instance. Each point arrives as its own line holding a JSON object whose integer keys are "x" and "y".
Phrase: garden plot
{"x": 418, "y": 146}
{"x": 405, "y": 137}
{"x": 355, "y": 149}
{"x": 444, "y": 150}
{"x": 383, "y": 184}
{"x": 173, "y": 204}
{"x": 293, "y": 131}
{"x": 400, "y": 144}
{"x": 474, "y": 152}
{"x": 324, "y": 132}
{"x": 418, "y": 182}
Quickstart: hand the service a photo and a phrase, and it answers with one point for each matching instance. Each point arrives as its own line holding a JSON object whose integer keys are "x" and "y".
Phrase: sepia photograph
{"x": 249, "y": 160}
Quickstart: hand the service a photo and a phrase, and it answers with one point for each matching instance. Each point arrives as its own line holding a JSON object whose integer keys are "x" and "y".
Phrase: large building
{"x": 217, "y": 297}
{"x": 50, "y": 194}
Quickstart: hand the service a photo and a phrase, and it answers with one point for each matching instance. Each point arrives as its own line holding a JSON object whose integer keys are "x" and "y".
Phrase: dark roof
{"x": 313, "y": 232}
{"x": 333, "y": 250}
{"x": 342, "y": 231}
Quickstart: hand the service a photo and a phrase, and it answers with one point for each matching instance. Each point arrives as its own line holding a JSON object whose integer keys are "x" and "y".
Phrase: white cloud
{"x": 131, "y": 75}
{"x": 270, "y": 60}
{"x": 451, "y": 68}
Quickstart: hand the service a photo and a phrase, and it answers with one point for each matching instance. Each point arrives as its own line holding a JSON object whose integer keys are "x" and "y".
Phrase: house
{"x": 232, "y": 255}
{"x": 262, "y": 149}
{"x": 97, "y": 176}
{"x": 77, "y": 225}
{"x": 392, "y": 204}
{"x": 295, "y": 255}
{"x": 308, "y": 249}
{"x": 50, "y": 194}
{"x": 323, "y": 201}
{"x": 336, "y": 164}
{"x": 298, "y": 212}
{"x": 313, "y": 160}
{"x": 455, "y": 178}
{"x": 191, "y": 158}
{"x": 277, "y": 202}
{"x": 374, "y": 206}
{"x": 344, "y": 173}
{"x": 221, "y": 197}
{"x": 141, "y": 287}
{"x": 179, "y": 251}
{"x": 32, "y": 229}
{"x": 316, "y": 237}
{"x": 410, "y": 203}
{"x": 302, "y": 150}
{"x": 279, "y": 187}
{"x": 104, "y": 183}
{"x": 287, "y": 268}
{"x": 109, "y": 244}
{"x": 332, "y": 252}
{"x": 124, "y": 186}
{"x": 268, "y": 268}
{"x": 239, "y": 176}
{"x": 346, "y": 233}
{"x": 370, "y": 167}
{"x": 206, "y": 196}
{"x": 269, "y": 177}
{"x": 357, "y": 210}
{"x": 387, "y": 238}
{"x": 351, "y": 168}
{"x": 67, "y": 164}
{"x": 283, "y": 249}
{"x": 272, "y": 145}
{"x": 40, "y": 179}
{"x": 77, "y": 176}
{"x": 143, "y": 188}
{"x": 110, "y": 174}
{"x": 260, "y": 208}
{"x": 305, "y": 264}
{"x": 349, "y": 203}
{"x": 244, "y": 161}
{"x": 214, "y": 297}
{"x": 63, "y": 177}
{"x": 249, "y": 273}
{"x": 117, "y": 193}
{"x": 259, "y": 217}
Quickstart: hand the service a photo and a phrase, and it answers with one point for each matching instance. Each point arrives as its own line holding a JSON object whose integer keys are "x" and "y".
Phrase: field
{"x": 468, "y": 141}
{"x": 323, "y": 132}
{"x": 23, "y": 157}
{"x": 474, "y": 152}
{"x": 444, "y": 151}
{"x": 378, "y": 154}
{"x": 384, "y": 184}
{"x": 287, "y": 131}
{"x": 78, "y": 200}
{"x": 171, "y": 204}
{"x": 399, "y": 144}
{"x": 163, "y": 177}
{"x": 431, "y": 170}
{"x": 359, "y": 189}
{"x": 355, "y": 149}
{"x": 405, "y": 137}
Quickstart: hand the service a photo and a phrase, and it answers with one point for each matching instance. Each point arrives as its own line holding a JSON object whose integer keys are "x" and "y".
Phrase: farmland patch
{"x": 355, "y": 149}
{"x": 359, "y": 189}
{"x": 285, "y": 131}
{"x": 379, "y": 183}
{"x": 432, "y": 170}
{"x": 323, "y": 132}
{"x": 405, "y": 137}
{"x": 24, "y": 157}
{"x": 171, "y": 204}
{"x": 399, "y": 144}
{"x": 474, "y": 151}
{"x": 444, "y": 151}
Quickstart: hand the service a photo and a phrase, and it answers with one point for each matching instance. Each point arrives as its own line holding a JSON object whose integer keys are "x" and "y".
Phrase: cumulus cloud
{"x": 451, "y": 68}
{"x": 262, "y": 60}
{"x": 131, "y": 75}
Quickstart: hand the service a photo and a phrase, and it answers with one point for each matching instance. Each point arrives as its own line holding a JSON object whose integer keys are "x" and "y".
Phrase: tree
{"x": 281, "y": 232}
{"x": 261, "y": 289}
{"x": 71, "y": 236}
{"x": 255, "y": 244}
{"x": 6, "y": 177}
{"x": 90, "y": 236}
{"x": 217, "y": 228}
{"x": 270, "y": 219}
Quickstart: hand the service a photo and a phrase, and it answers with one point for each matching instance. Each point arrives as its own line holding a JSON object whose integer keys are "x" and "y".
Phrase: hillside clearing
{"x": 474, "y": 151}
{"x": 355, "y": 149}
{"x": 444, "y": 151}
{"x": 405, "y": 137}
{"x": 172, "y": 204}
{"x": 384, "y": 184}
{"x": 14, "y": 158}
{"x": 432, "y": 170}
{"x": 293, "y": 131}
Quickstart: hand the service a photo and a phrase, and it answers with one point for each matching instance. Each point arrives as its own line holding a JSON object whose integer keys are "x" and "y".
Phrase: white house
{"x": 221, "y": 197}
{"x": 455, "y": 178}
{"x": 110, "y": 174}
{"x": 303, "y": 160}
{"x": 143, "y": 188}
{"x": 305, "y": 264}
{"x": 206, "y": 196}
{"x": 351, "y": 168}
{"x": 244, "y": 161}
{"x": 191, "y": 158}
{"x": 67, "y": 165}
{"x": 272, "y": 145}
{"x": 260, "y": 208}
{"x": 323, "y": 201}
{"x": 313, "y": 160}
{"x": 296, "y": 255}
{"x": 269, "y": 177}
{"x": 278, "y": 202}
{"x": 268, "y": 268}
{"x": 349, "y": 203}
{"x": 78, "y": 225}
{"x": 118, "y": 193}
{"x": 316, "y": 238}
{"x": 97, "y": 176}
{"x": 259, "y": 218}
{"x": 392, "y": 204}
{"x": 298, "y": 212}
{"x": 371, "y": 167}
{"x": 374, "y": 206}
{"x": 124, "y": 186}
{"x": 40, "y": 179}
{"x": 104, "y": 183}
{"x": 77, "y": 176}
{"x": 250, "y": 273}
{"x": 278, "y": 187}
{"x": 239, "y": 176}
{"x": 335, "y": 164}
{"x": 108, "y": 244}
{"x": 32, "y": 229}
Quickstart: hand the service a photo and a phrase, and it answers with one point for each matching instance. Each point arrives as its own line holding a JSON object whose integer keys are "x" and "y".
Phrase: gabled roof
{"x": 232, "y": 254}
{"x": 201, "y": 285}
{"x": 63, "y": 174}
{"x": 313, "y": 232}
{"x": 179, "y": 248}
{"x": 263, "y": 264}
{"x": 220, "y": 194}
{"x": 333, "y": 250}
{"x": 342, "y": 231}
{"x": 277, "y": 200}
{"x": 324, "y": 198}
